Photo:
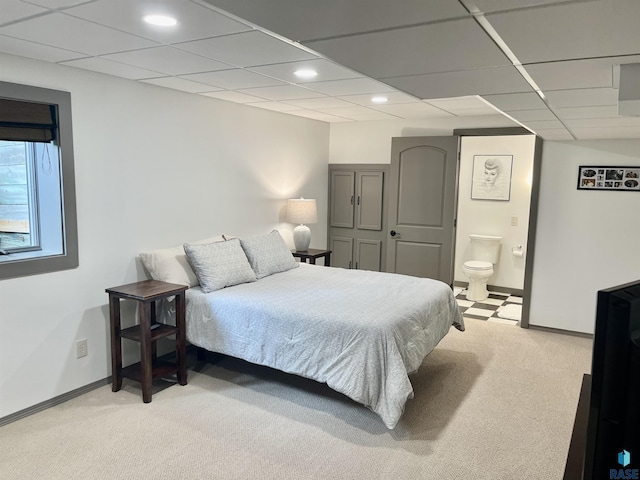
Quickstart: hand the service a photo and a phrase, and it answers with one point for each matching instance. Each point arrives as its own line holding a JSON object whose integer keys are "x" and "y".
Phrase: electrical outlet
{"x": 81, "y": 348}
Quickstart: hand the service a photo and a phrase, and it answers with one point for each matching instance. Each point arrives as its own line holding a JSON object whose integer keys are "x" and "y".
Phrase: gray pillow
{"x": 268, "y": 254}
{"x": 218, "y": 265}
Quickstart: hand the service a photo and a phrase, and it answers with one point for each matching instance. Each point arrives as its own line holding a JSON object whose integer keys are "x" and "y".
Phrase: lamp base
{"x": 302, "y": 238}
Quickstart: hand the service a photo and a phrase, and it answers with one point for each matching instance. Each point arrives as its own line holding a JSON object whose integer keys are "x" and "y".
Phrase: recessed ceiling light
{"x": 379, "y": 99}
{"x": 305, "y": 73}
{"x": 160, "y": 20}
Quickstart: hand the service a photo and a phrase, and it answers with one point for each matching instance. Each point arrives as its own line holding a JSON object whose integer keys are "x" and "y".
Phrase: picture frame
{"x": 491, "y": 178}
{"x": 614, "y": 178}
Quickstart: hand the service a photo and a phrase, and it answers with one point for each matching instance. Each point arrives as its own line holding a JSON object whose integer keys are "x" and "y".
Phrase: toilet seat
{"x": 478, "y": 265}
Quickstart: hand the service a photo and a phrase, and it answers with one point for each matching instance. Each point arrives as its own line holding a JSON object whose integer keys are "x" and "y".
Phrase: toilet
{"x": 485, "y": 251}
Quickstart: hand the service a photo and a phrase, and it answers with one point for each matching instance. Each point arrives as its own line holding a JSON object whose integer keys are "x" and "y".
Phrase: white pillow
{"x": 171, "y": 264}
{"x": 268, "y": 254}
{"x": 219, "y": 264}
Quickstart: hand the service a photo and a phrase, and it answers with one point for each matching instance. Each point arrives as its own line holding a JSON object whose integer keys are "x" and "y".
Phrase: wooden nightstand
{"x": 147, "y": 333}
{"x": 312, "y": 254}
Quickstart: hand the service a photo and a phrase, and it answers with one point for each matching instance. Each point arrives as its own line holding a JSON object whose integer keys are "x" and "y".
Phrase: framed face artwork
{"x": 491, "y": 179}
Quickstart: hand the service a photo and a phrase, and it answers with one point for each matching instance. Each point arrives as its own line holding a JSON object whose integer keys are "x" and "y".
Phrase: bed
{"x": 360, "y": 332}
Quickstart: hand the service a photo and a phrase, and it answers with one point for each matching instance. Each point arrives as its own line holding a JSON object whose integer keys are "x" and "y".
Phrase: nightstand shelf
{"x": 147, "y": 333}
{"x": 158, "y": 331}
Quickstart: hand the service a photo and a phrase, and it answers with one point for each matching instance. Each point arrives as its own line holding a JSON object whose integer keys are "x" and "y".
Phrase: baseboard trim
{"x": 561, "y": 331}
{"x": 53, "y": 401}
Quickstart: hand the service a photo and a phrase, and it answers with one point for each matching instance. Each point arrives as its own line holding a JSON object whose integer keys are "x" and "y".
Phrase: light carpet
{"x": 494, "y": 402}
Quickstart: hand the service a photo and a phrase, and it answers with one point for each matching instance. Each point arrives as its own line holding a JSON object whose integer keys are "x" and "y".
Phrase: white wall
{"x": 154, "y": 168}
{"x": 370, "y": 142}
{"x": 488, "y": 217}
{"x": 586, "y": 240}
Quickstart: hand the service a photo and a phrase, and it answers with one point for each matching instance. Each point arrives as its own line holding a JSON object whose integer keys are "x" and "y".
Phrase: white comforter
{"x": 360, "y": 332}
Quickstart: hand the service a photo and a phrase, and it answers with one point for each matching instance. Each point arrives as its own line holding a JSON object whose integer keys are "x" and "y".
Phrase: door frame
{"x": 533, "y": 205}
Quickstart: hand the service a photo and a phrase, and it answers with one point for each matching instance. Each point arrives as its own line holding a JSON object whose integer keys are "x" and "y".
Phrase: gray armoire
{"x": 357, "y": 215}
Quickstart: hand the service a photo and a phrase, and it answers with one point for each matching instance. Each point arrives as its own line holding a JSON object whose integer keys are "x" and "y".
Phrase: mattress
{"x": 360, "y": 332}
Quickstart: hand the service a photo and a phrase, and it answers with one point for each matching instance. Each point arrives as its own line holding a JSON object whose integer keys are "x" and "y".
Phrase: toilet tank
{"x": 485, "y": 248}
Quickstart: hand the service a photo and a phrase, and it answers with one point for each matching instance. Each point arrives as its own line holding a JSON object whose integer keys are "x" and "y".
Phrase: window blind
{"x": 27, "y": 121}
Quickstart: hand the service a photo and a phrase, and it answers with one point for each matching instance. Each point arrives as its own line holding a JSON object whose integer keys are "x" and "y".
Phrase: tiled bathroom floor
{"x": 491, "y": 308}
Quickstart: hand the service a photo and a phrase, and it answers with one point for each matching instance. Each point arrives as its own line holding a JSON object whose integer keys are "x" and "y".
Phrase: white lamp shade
{"x": 302, "y": 210}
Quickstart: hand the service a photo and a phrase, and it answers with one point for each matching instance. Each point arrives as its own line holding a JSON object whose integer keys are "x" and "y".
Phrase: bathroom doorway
{"x": 510, "y": 214}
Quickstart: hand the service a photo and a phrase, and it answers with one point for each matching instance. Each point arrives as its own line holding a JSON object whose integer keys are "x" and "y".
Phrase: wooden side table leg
{"x": 312, "y": 260}
{"x": 327, "y": 260}
{"x": 146, "y": 365}
{"x": 116, "y": 344}
{"x": 181, "y": 338}
{"x": 154, "y": 346}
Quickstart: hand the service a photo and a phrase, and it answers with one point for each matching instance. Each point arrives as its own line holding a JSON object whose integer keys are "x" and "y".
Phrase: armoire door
{"x": 369, "y": 186}
{"x": 341, "y": 251}
{"x": 422, "y": 199}
{"x": 342, "y": 191}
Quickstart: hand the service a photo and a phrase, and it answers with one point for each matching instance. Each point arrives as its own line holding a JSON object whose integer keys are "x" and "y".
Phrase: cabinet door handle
{"x": 351, "y": 199}
{"x": 356, "y": 265}
{"x": 393, "y": 233}
{"x": 358, "y": 199}
{"x": 349, "y": 263}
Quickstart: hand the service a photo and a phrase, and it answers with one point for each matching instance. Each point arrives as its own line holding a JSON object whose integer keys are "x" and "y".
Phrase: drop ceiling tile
{"x": 606, "y": 111}
{"x": 177, "y": 83}
{"x": 13, "y": 10}
{"x": 326, "y": 71}
{"x": 463, "y": 106}
{"x": 351, "y": 86}
{"x": 234, "y": 79}
{"x": 167, "y": 60}
{"x": 24, "y": 48}
{"x": 474, "y": 112}
{"x": 53, "y": 4}
{"x": 393, "y": 98}
{"x": 325, "y": 117}
{"x": 328, "y": 18}
{"x": 554, "y": 134}
{"x": 276, "y": 106}
{"x": 412, "y": 110}
{"x": 516, "y": 101}
{"x": 247, "y": 49}
{"x": 454, "y": 103}
{"x": 320, "y": 103}
{"x": 574, "y": 74}
{"x": 440, "y": 47}
{"x": 236, "y": 97}
{"x": 359, "y": 113}
{"x": 371, "y": 116}
{"x": 102, "y": 65}
{"x": 544, "y": 124}
{"x": 497, "y": 5}
{"x": 532, "y": 115}
{"x": 603, "y": 122}
{"x": 582, "y": 97}
{"x": 194, "y": 21}
{"x": 571, "y": 31}
{"x": 63, "y": 31}
{"x": 485, "y": 81}
{"x": 283, "y": 92}
{"x": 606, "y": 132}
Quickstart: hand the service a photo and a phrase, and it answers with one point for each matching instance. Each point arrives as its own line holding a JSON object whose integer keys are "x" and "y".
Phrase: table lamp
{"x": 301, "y": 211}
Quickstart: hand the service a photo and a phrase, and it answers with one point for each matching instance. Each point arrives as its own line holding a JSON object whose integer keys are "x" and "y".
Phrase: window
{"x": 38, "y": 231}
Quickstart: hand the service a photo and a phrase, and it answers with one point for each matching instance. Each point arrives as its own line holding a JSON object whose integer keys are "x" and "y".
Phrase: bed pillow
{"x": 171, "y": 264}
{"x": 268, "y": 254}
{"x": 220, "y": 264}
